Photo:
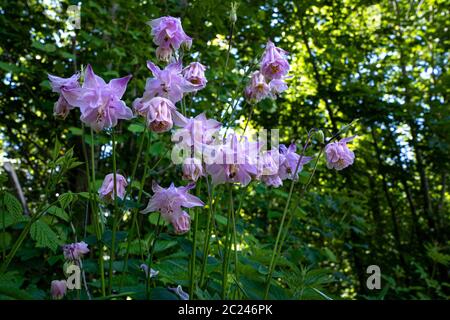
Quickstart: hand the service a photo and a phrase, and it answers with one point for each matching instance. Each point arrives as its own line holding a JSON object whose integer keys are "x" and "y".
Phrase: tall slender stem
{"x": 95, "y": 217}
{"x": 227, "y": 251}
{"x": 207, "y": 233}
{"x": 114, "y": 214}
{"x": 194, "y": 249}
{"x": 283, "y": 218}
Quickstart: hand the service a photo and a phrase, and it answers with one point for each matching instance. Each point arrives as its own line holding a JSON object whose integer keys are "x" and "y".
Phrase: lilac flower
{"x": 197, "y": 132}
{"x": 106, "y": 191}
{"x": 75, "y": 251}
{"x": 277, "y": 86}
{"x": 100, "y": 103}
{"x": 290, "y": 162}
{"x": 58, "y": 289}
{"x": 338, "y": 155}
{"x": 274, "y": 64}
{"x": 257, "y": 89}
{"x": 268, "y": 168}
{"x": 232, "y": 162}
{"x": 169, "y": 201}
{"x": 195, "y": 74}
{"x": 62, "y": 107}
{"x": 160, "y": 113}
{"x": 181, "y": 222}
{"x": 192, "y": 169}
{"x": 168, "y": 83}
{"x": 153, "y": 273}
{"x": 180, "y": 293}
{"x": 168, "y": 33}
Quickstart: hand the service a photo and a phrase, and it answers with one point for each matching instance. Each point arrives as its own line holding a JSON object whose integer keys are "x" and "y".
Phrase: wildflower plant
{"x": 215, "y": 162}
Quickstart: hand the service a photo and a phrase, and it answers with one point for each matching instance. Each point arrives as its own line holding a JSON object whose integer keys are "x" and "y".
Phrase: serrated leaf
{"x": 12, "y": 205}
{"x": 58, "y": 212}
{"x": 44, "y": 236}
{"x": 66, "y": 199}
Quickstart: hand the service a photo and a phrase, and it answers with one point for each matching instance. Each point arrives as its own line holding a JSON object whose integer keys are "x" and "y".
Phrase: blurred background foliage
{"x": 384, "y": 63}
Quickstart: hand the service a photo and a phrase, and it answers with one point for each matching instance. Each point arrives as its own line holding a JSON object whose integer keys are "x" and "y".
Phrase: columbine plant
{"x": 210, "y": 154}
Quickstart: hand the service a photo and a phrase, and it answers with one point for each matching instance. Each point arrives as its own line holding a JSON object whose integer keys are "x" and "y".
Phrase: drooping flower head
{"x": 269, "y": 166}
{"x": 153, "y": 273}
{"x": 257, "y": 89}
{"x": 100, "y": 103}
{"x": 181, "y": 223}
{"x": 106, "y": 191}
{"x": 197, "y": 132}
{"x": 338, "y": 155}
{"x": 168, "y": 83}
{"x": 159, "y": 112}
{"x": 180, "y": 293}
{"x": 168, "y": 33}
{"x": 58, "y": 289}
{"x": 62, "y": 107}
{"x": 195, "y": 74}
{"x": 74, "y": 251}
{"x": 291, "y": 162}
{"x": 192, "y": 169}
{"x": 274, "y": 64}
{"x": 233, "y": 162}
{"x": 169, "y": 201}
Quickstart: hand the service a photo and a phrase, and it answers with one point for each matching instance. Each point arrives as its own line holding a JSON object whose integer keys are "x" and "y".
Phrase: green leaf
{"x": 12, "y": 205}
{"x": 44, "y": 236}
{"x": 76, "y": 131}
{"x": 8, "y": 67}
{"x": 15, "y": 293}
{"x": 66, "y": 199}
{"x": 136, "y": 127}
{"x": 58, "y": 212}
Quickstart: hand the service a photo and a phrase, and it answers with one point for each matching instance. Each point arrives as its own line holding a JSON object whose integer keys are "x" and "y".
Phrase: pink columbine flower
{"x": 169, "y": 201}
{"x": 58, "y": 289}
{"x": 181, "y": 222}
{"x": 62, "y": 107}
{"x": 274, "y": 64}
{"x": 338, "y": 155}
{"x": 197, "y": 132}
{"x": 100, "y": 103}
{"x": 195, "y": 74}
{"x": 268, "y": 168}
{"x": 168, "y": 83}
{"x": 257, "y": 89}
{"x": 106, "y": 191}
{"x": 192, "y": 169}
{"x": 159, "y": 112}
{"x": 75, "y": 251}
{"x": 277, "y": 86}
{"x": 168, "y": 34}
{"x": 290, "y": 161}
{"x": 233, "y": 162}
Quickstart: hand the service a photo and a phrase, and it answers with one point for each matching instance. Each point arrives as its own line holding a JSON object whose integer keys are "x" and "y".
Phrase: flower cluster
{"x": 169, "y": 36}
{"x": 99, "y": 102}
{"x": 169, "y": 203}
{"x": 209, "y": 151}
{"x": 269, "y": 80}
{"x": 74, "y": 251}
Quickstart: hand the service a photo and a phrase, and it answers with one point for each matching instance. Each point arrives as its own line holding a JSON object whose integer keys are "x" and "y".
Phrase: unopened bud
{"x": 319, "y": 136}
{"x": 233, "y": 14}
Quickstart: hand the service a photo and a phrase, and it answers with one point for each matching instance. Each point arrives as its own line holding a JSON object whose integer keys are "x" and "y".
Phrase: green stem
{"x": 136, "y": 210}
{"x": 194, "y": 249}
{"x": 273, "y": 259}
{"x": 95, "y": 217}
{"x": 227, "y": 250}
{"x": 207, "y": 234}
{"x": 113, "y": 214}
{"x": 150, "y": 256}
{"x": 22, "y": 237}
